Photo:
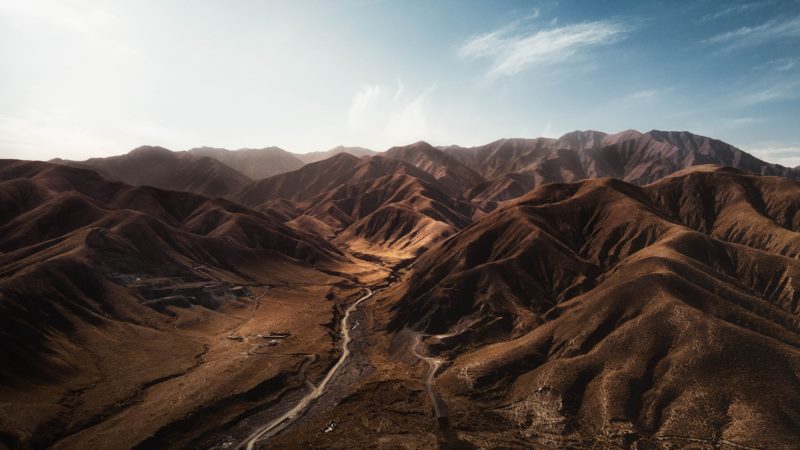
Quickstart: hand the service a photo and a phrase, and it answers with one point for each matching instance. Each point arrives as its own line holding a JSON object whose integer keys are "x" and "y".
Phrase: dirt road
{"x": 439, "y": 406}
{"x": 283, "y": 421}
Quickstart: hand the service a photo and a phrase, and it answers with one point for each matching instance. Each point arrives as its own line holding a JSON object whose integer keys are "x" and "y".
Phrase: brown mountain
{"x": 110, "y": 292}
{"x": 376, "y": 205}
{"x": 256, "y": 163}
{"x": 591, "y": 291}
{"x": 602, "y": 313}
{"x": 319, "y": 156}
{"x": 518, "y": 165}
{"x": 393, "y": 217}
{"x": 451, "y": 173}
{"x": 309, "y": 181}
{"x": 161, "y": 168}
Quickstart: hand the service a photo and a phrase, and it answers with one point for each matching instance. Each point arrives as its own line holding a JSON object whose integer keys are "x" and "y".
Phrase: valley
{"x": 633, "y": 290}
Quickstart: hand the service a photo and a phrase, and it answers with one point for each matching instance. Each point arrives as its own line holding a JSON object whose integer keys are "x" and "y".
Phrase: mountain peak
{"x": 148, "y": 150}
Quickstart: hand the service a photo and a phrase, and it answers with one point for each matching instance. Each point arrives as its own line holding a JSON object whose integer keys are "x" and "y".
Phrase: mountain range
{"x": 628, "y": 290}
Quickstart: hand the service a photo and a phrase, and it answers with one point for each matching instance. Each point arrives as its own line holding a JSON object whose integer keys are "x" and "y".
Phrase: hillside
{"x": 511, "y": 166}
{"x": 255, "y": 163}
{"x": 452, "y": 174}
{"x": 378, "y": 206}
{"x": 602, "y": 312}
{"x": 113, "y": 296}
{"x": 161, "y": 168}
{"x": 319, "y": 156}
{"x": 631, "y": 290}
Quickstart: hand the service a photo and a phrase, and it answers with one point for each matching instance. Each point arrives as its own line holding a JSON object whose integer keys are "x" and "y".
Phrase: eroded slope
{"x": 605, "y": 313}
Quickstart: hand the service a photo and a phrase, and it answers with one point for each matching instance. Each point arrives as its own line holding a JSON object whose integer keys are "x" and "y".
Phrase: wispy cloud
{"x": 738, "y": 122}
{"x": 643, "y": 95}
{"x": 773, "y": 81}
{"x": 548, "y": 131}
{"x": 487, "y": 44}
{"x": 97, "y": 25}
{"x": 784, "y": 155}
{"x": 384, "y": 116}
{"x": 734, "y": 10}
{"x": 777, "y": 91}
{"x": 646, "y": 95}
{"x": 777, "y": 66}
{"x": 784, "y": 64}
{"x": 513, "y": 50}
{"x": 770, "y": 31}
{"x": 60, "y": 132}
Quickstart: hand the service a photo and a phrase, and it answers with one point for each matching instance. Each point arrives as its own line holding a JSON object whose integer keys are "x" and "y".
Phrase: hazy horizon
{"x": 376, "y": 150}
{"x": 85, "y": 79}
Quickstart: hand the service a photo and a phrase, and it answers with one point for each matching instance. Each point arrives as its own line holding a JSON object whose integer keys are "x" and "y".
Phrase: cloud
{"x": 783, "y": 155}
{"x": 97, "y": 25}
{"x": 513, "y": 51}
{"x": 646, "y": 94}
{"x": 784, "y": 64}
{"x": 383, "y": 116}
{"x": 738, "y": 122}
{"x": 548, "y": 132}
{"x": 733, "y": 10}
{"x": 641, "y": 95}
{"x": 773, "y": 81}
{"x": 776, "y": 91}
{"x": 60, "y": 132}
{"x": 778, "y": 65}
{"x": 770, "y": 31}
{"x": 487, "y": 44}
{"x": 364, "y": 101}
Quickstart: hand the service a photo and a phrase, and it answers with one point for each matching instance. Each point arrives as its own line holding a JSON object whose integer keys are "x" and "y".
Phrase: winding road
{"x": 439, "y": 406}
{"x": 448, "y": 437}
{"x": 283, "y": 421}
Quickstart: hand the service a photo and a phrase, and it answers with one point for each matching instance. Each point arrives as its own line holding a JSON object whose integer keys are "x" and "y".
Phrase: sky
{"x": 81, "y": 78}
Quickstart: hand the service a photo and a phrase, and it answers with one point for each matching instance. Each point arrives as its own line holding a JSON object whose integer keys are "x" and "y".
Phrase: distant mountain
{"x": 164, "y": 169}
{"x": 302, "y": 184}
{"x": 511, "y": 166}
{"x": 319, "y": 156}
{"x": 454, "y": 175}
{"x": 377, "y": 205}
{"x": 487, "y": 175}
{"x": 256, "y": 163}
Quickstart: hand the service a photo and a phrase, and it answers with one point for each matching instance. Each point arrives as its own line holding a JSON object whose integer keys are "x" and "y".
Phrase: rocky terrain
{"x": 601, "y": 312}
{"x": 632, "y": 290}
{"x": 161, "y": 168}
{"x": 255, "y": 163}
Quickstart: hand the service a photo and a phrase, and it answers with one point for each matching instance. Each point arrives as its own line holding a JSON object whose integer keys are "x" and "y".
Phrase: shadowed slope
{"x": 377, "y": 205}
{"x": 110, "y": 292}
{"x": 302, "y": 184}
{"x": 255, "y": 163}
{"x": 514, "y": 165}
{"x": 161, "y": 168}
{"x": 319, "y": 156}
{"x": 60, "y": 220}
{"x": 46, "y": 201}
{"x": 605, "y": 313}
{"x": 453, "y": 175}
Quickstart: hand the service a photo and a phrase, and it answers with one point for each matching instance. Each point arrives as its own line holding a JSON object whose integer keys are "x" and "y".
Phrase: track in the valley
{"x": 276, "y": 425}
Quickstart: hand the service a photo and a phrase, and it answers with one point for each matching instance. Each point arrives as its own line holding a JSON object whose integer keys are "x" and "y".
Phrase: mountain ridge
{"x": 596, "y": 290}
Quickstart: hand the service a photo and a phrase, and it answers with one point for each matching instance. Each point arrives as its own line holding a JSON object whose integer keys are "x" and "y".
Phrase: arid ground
{"x": 633, "y": 290}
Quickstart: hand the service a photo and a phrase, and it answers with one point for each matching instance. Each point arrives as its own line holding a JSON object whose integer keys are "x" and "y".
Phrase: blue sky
{"x": 81, "y": 78}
